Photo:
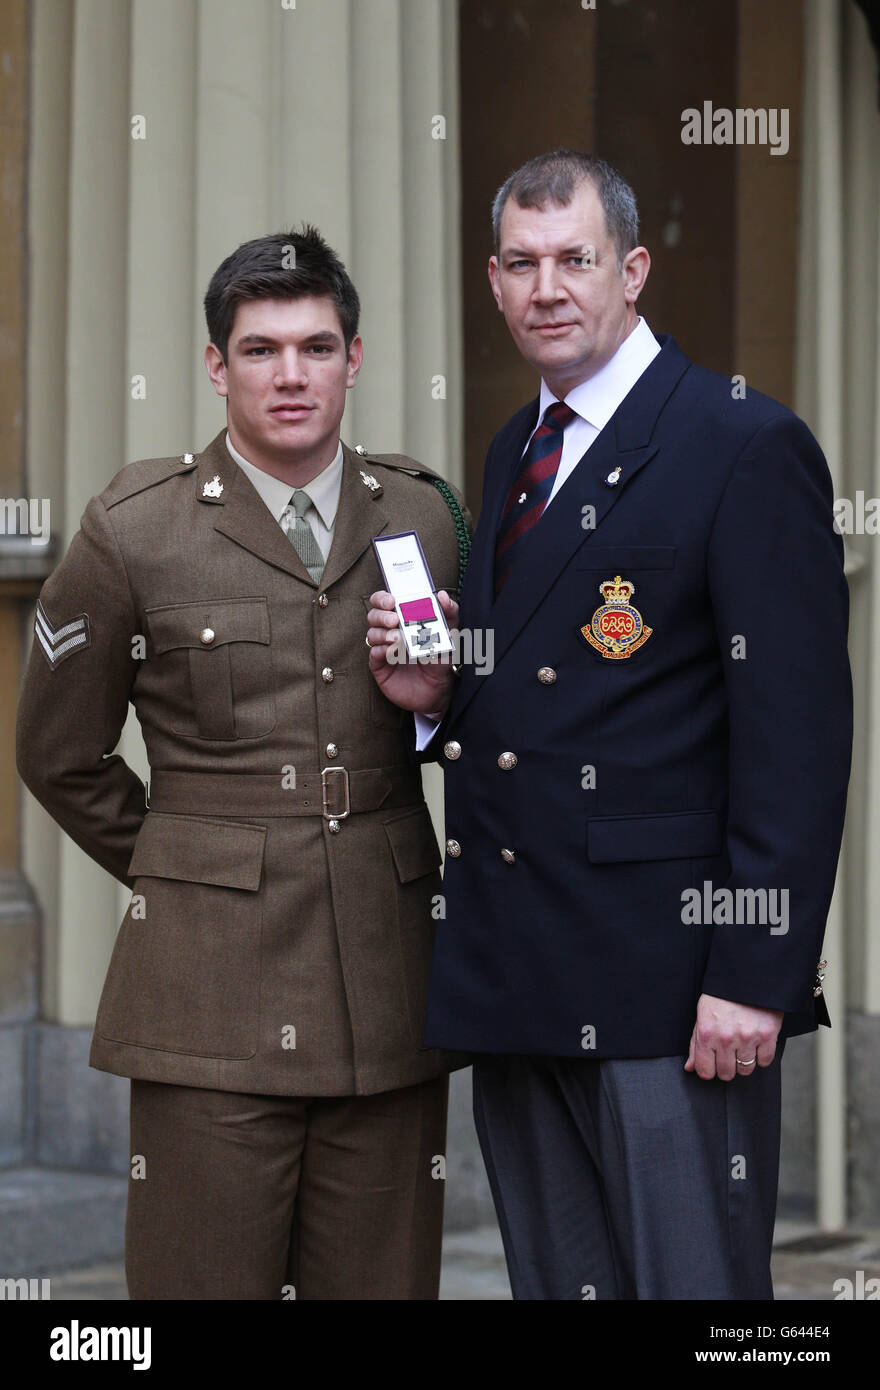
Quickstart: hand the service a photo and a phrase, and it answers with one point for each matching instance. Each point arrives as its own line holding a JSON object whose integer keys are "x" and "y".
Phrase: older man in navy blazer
{"x": 645, "y": 796}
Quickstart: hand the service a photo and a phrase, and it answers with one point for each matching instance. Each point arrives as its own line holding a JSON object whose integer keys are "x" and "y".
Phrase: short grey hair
{"x": 555, "y": 177}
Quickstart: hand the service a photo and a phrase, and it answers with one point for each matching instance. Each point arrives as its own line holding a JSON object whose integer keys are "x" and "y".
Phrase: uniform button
{"x": 327, "y": 674}
{"x": 453, "y": 849}
{"x": 452, "y": 750}
{"x": 333, "y": 827}
{"x": 207, "y": 636}
{"x": 546, "y": 675}
{"x": 508, "y": 856}
{"x": 507, "y": 761}
{"x": 332, "y": 751}
{"x": 323, "y": 600}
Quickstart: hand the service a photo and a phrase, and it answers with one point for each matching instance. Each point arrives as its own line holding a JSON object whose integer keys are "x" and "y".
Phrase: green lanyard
{"x": 461, "y": 530}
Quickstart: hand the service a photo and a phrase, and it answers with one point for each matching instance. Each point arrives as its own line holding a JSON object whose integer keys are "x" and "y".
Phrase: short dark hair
{"x": 554, "y": 178}
{"x": 265, "y": 269}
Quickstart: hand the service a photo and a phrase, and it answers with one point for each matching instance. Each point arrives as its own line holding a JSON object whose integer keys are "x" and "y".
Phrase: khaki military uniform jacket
{"x": 273, "y": 943}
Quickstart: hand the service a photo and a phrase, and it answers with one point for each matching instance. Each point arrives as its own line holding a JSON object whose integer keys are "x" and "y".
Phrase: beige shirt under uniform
{"x": 323, "y": 491}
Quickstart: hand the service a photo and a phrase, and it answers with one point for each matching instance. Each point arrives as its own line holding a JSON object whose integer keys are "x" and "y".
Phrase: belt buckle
{"x": 346, "y": 798}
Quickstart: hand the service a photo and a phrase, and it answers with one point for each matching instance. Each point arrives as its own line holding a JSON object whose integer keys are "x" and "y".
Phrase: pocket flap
{"x": 413, "y": 844}
{"x": 673, "y": 835}
{"x": 230, "y": 620}
{"x": 197, "y": 849}
{"x": 619, "y": 559}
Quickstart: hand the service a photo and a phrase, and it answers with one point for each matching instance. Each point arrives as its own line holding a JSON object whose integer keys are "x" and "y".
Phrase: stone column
{"x": 837, "y": 391}
{"x": 22, "y": 566}
{"x": 164, "y": 133}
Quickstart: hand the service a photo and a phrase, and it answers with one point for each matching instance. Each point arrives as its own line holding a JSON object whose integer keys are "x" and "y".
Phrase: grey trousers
{"x": 630, "y": 1179}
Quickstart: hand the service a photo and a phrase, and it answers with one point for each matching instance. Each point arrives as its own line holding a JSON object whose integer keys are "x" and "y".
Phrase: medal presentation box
{"x": 408, "y": 581}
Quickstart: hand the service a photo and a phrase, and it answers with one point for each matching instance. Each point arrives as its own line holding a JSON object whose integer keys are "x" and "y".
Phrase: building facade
{"x": 147, "y": 138}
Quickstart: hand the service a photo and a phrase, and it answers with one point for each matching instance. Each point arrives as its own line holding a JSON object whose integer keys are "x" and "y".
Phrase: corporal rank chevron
{"x": 60, "y": 643}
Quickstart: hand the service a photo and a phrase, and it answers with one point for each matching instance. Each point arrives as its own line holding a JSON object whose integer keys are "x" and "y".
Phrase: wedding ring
{"x": 743, "y": 1062}
{"x": 368, "y": 642}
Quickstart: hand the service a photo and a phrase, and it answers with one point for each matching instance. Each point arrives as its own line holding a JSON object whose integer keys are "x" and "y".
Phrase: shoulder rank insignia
{"x": 58, "y": 643}
{"x": 616, "y": 629}
{"x": 370, "y": 482}
{"x": 213, "y": 488}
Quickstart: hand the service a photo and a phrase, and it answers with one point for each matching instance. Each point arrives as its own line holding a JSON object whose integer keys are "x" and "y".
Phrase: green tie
{"x": 301, "y": 535}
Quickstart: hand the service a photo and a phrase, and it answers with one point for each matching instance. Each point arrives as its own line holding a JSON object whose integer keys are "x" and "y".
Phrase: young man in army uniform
{"x": 267, "y": 991}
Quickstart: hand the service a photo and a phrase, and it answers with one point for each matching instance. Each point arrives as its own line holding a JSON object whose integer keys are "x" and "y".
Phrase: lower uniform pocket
{"x": 185, "y": 972}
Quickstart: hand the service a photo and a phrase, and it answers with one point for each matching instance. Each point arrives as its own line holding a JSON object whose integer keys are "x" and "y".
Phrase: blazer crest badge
{"x": 616, "y": 629}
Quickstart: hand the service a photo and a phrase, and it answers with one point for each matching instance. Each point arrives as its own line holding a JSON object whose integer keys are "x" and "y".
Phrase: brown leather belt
{"x": 333, "y": 793}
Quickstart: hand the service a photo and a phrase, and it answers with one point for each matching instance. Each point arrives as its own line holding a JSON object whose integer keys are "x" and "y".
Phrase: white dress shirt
{"x": 595, "y": 400}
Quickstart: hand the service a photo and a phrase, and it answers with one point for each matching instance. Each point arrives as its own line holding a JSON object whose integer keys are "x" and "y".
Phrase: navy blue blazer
{"x": 714, "y": 756}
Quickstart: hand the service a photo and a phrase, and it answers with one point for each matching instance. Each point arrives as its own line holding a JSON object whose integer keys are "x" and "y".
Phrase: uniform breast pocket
{"x": 217, "y": 660}
{"x": 185, "y": 972}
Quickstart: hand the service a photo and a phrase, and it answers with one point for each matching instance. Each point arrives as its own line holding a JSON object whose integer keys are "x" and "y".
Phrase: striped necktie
{"x": 531, "y": 491}
{"x": 301, "y": 535}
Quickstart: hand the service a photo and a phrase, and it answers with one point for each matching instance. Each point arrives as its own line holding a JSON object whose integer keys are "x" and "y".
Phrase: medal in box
{"x": 408, "y": 581}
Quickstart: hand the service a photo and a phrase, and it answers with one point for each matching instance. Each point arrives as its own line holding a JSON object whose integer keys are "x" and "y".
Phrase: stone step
{"x": 53, "y": 1219}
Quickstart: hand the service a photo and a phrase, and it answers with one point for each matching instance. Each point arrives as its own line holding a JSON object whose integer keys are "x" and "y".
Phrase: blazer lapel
{"x": 574, "y": 515}
{"x": 477, "y": 594}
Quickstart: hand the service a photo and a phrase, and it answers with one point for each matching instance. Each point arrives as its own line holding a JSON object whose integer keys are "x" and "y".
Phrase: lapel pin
{"x": 187, "y": 458}
{"x": 213, "y": 488}
{"x": 360, "y": 449}
{"x": 521, "y": 498}
{"x": 371, "y": 483}
{"x": 614, "y": 477}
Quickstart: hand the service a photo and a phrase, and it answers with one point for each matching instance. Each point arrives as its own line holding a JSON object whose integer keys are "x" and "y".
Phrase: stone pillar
{"x": 22, "y": 566}
{"x": 163, "y": 134}
{"x": 837, "y": 388}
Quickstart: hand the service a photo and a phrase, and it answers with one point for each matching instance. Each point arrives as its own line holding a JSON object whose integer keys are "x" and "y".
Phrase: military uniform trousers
{"x": 236, "y": 1196}
{"x": 631, "y": 1178}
